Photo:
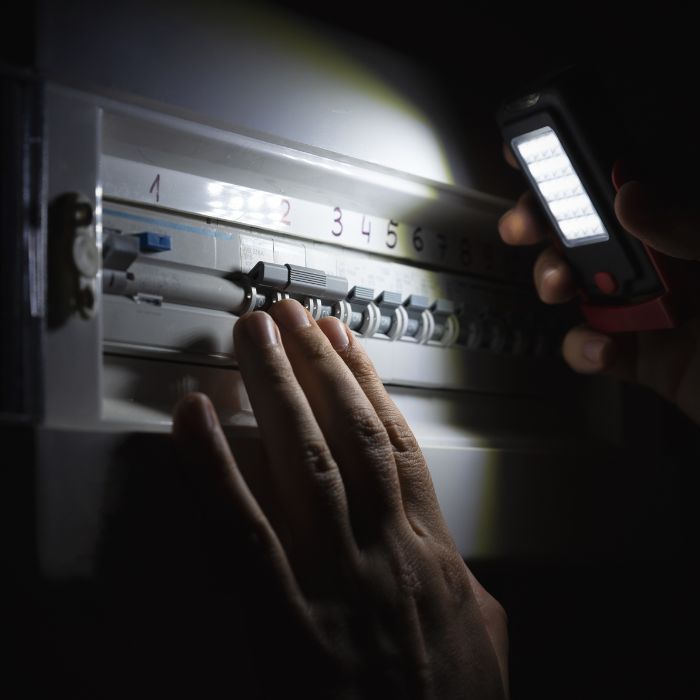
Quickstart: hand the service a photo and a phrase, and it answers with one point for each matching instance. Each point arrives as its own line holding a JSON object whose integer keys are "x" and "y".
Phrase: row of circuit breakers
{"x": 386, "y": 315}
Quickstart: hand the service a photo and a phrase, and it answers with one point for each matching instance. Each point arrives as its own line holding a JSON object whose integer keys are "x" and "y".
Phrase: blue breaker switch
{"x": 153, "y": 242}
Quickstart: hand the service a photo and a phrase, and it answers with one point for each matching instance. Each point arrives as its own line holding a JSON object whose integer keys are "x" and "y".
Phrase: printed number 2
{"x": 287, "y": 207}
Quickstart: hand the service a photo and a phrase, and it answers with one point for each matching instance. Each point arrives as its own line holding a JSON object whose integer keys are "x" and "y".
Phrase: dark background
{"x": 478, "y": 53}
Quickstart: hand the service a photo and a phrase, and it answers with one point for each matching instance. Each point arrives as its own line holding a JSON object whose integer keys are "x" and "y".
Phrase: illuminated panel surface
{"x": 456, "y": 248}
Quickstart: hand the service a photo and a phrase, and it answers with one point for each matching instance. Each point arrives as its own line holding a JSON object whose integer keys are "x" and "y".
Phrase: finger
{"x": 510, "y": 157}
{"x": 496, "y": 621}
{"x": 244, "y": 540}
{"x": 524, "y": 224}
{"x": 667, "y": 362}
{"x": 251, "y": 460}
{"x": 350, "y": 425}
{"x": 417, "y": 493}
{"x": 668, "y": 227}
{"x": 553, "y": 277}
{"x": 589, "y": 352}
{"x": 309, "y": 486}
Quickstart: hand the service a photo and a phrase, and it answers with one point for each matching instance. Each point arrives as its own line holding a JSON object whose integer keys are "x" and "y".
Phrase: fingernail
{"x": 551, "y": 285}
{"x": 335, "y": 332}
{"x": 510, "y": 226}
{"x": 290, "y": 314}
{"x": 197, "y": 412}
{"x": 261, "y": 329}
{"x": 593, "y": 350}
{"x": 550, "y": 275}
{"x": 504, "y": 227}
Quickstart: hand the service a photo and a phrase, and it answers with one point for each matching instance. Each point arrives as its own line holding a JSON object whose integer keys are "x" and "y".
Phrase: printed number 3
{"x": 338, "y": 222}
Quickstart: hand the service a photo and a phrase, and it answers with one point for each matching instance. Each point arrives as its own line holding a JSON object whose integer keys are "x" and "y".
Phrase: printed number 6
{"x": 392, "y": 237}
{"x": 418, "y": 242}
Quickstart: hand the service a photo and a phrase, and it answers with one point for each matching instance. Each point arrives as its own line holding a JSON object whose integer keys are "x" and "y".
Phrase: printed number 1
{"x": 156, "y": 186}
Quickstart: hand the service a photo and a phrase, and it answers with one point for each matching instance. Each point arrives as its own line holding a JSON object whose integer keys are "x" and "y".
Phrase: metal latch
{"x": 73, "y": 258}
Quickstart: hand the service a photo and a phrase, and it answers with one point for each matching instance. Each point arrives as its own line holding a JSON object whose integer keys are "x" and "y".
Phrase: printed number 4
{"x": 366, "y": 226}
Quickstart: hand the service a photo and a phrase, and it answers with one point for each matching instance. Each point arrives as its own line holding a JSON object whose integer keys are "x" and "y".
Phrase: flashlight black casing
{"x": 623, "y": 283}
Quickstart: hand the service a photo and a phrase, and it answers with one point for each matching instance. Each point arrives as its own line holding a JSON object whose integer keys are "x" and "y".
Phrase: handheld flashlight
{"x": 564, "y": 139}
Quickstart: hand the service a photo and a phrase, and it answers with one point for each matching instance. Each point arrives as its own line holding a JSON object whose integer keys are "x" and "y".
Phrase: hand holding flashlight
{"x": 565, "y": 134}
{"x": 668, "y": 361}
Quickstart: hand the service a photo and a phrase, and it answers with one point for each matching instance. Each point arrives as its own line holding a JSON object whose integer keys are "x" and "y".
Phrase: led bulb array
{"x": 542, "y": 153}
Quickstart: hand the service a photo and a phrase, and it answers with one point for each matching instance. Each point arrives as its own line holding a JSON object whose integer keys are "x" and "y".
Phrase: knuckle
{"x": 322, "y": 470}
{"x": 402, "y": 438}
{"x": 316, "y": 456}
{"x": 361, "y": 366}
{"x": 317, "y": 348}
{"x": 409, "y": 578}
{"x": 368, "y": 432}
{"x": 277, "y": 373}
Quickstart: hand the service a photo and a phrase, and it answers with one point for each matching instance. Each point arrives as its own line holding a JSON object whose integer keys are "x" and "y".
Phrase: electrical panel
{"x": 177, "y": 200}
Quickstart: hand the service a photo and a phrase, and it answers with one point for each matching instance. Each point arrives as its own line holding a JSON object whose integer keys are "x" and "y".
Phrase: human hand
{"x": 353, "y": 542}
{"x": 667, "y": 361}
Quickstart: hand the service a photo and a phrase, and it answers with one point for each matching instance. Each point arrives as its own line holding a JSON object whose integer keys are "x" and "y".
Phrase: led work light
{"x": 565, "y": 142}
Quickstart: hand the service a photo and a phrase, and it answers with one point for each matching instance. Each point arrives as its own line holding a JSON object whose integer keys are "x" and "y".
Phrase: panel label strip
{"x": 239, "y": 205}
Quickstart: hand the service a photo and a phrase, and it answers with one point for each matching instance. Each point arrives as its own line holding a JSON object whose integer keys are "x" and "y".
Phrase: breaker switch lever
{"x": 446, "y": 329}
{"x": 393, "y": 316}
{"x": 312, "y": 286}
{"x": 420, "y": 325}
{"x": 358, "y": 311}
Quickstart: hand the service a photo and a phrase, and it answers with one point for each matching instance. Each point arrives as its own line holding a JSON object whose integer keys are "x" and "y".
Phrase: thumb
{"x": 668, "y": 227}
